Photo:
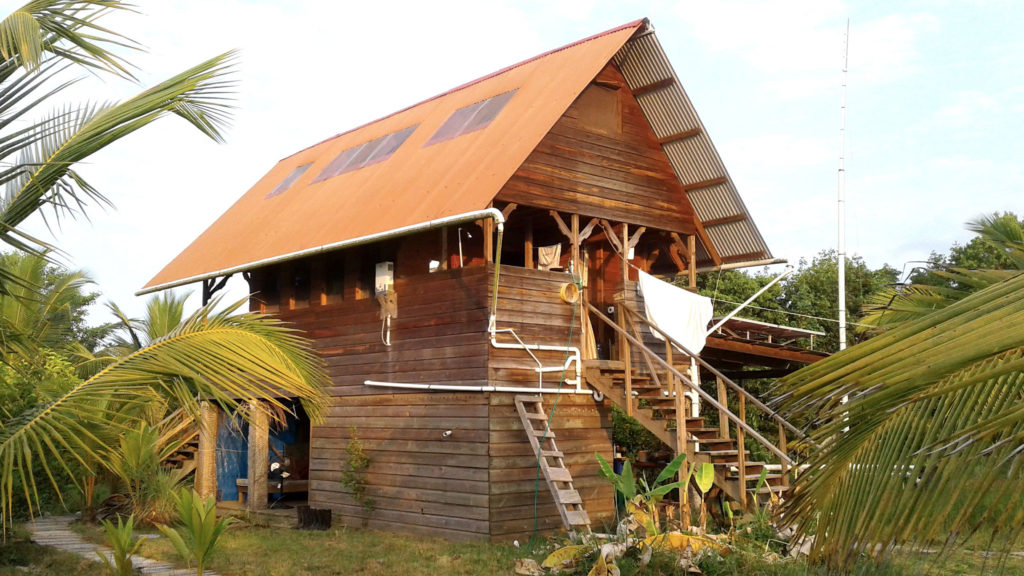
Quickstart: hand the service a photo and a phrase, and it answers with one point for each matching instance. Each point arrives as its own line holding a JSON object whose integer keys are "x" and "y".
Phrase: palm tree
{"x": 927, "y": 450}
{"x": 211, "y": 355}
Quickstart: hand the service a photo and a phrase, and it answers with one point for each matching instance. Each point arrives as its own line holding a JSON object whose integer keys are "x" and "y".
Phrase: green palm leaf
{"x": 214, "y": 356}
{"x": 927, "y": 450}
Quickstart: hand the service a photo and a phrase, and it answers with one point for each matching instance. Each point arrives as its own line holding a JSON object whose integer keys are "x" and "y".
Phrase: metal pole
{"x": 842, "y": 197}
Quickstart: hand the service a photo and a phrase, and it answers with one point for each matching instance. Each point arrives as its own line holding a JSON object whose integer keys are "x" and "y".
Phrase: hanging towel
{"x": 549, "y": 257}
{"x": 682, "y": 314}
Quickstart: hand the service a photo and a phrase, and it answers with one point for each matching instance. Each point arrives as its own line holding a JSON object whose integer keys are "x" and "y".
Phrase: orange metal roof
{"x": 414, "y": 185}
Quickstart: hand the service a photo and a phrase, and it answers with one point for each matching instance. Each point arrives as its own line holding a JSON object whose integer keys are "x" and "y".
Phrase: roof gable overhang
{"x": 422, "y": 183}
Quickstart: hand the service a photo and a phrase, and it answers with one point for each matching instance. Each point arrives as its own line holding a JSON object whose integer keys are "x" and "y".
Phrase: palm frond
{"x": 927, "y": 448}
{"x": 217, "y": 356}
{"x": 1004, "y": 232}
{"x": 66, "y": 29}
{"x": 201, "y": 95}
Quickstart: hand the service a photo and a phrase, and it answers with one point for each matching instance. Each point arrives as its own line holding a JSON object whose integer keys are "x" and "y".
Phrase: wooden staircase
{"x": 184, "y": 458}
{"x": 557, "y": 476}
{"x": 648, "y": 389}
{"x": 654, "y": 408}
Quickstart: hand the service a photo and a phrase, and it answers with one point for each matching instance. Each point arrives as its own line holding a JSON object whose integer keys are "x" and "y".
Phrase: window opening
{"x": 365, "y": 154}
{"x": 476, "y": 116}
{"x": 288, "y": 180}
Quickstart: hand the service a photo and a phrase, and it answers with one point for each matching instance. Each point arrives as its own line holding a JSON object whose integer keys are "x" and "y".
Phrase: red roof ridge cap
{"x": 634, "y": 24}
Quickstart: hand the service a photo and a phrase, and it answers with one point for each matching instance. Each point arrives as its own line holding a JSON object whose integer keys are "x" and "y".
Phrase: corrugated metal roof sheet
{"x": 418, "y": 183}
{"x": 694, "y": 158}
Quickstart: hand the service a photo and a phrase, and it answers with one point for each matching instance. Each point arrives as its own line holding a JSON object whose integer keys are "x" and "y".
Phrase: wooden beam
{"x": 607, "y": 84}
{"x": 625, "y": 255}
{"x": 691, "y": 250}
{"x": 528, "y": 244}
{"x": 725, "y": 220}
{"x": 653, "y": 86}
{"x": 705, "y": 184}
{"x": 488, "y": 240}
{"x": 444, "y": 248}
{"x": 803, "y": 357}
{"x": 685, "y": 135}
{"x": 588, "y": 230}
{"x": 507, "y": 210}
{"x": 613, "y": 238}
{"x": 635, "y": 238}
{"x": 561, "y": 223}
{"x": 574, "y": 240}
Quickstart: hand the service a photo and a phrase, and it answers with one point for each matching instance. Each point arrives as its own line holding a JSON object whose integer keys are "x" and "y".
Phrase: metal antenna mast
{"x": 842, "y": 197}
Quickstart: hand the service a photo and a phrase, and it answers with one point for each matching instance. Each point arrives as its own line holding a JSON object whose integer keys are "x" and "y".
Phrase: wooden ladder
{"x": 567, "y": 499}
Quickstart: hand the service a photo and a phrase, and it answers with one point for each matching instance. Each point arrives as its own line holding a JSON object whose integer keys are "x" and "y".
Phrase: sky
{"x": 935, "y": 110}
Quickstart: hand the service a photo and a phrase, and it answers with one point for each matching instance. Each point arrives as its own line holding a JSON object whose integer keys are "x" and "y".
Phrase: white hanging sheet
{"x": 682, "y": 314}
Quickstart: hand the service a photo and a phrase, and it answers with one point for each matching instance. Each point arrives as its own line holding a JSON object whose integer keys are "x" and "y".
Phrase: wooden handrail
{"x": 704, "y": 395}
{"x": 739, "y": 389}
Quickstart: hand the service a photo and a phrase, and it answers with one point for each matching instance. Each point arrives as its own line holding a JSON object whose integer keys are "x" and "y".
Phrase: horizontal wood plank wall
{"x": 585, "y": 166}
{"x": 422, "y": 481}
{"x": 529, "y": 302}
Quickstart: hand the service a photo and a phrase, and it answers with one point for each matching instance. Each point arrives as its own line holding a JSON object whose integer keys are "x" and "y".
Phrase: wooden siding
{"x": 422, "y": 481}
{"x": 529, "y": 303}
{"x": 585, "y": 165}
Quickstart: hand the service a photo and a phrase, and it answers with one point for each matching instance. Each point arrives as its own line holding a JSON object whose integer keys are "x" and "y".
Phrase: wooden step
{"x": 578, "y": 518}
{"x": 559, "y": 480}
{"x": 703, "y": 433}
{"x": 559, "y": 474}
{"x": 569, "y": 497}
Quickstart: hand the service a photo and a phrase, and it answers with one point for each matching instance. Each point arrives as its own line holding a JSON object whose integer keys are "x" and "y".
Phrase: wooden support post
{"x": 206, "y": 457}
{"x": 259, "y": 430}
{"x": 574, "y": 239}
{"x": 626, "y": 357}
{"x": 691, "y": 264}
{"x": 723, "y": 399}
{"x": 444, "y": 248}
{"x": 528, "y": 244}
{"x": 740, "y": 455}
{"x": 625, "y": 254}
{"x": 489, "y": 240}
{"x": 784, "y": 448}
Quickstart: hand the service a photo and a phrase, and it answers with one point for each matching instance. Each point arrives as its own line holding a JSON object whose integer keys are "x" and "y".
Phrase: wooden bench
{"x": 286, "y": 486}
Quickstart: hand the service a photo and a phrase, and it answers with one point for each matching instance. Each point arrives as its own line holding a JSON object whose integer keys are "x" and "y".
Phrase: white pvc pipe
{"x": 789, "y": 270}
{"x": 454, "y": 388}
{"x": 574, "y": 353}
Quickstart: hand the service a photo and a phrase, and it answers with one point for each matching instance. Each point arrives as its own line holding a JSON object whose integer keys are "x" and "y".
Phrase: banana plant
{"x": 643, "y": 504}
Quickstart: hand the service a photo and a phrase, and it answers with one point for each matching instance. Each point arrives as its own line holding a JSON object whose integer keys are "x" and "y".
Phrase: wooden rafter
{"x": 561, "y": 223}
{"x": 705, "y": 183}
{"x": 725, "y": 220}
{"x": 686, "y": 134}
{"x": 507, "y": 210}
{"x": 653, "y": 86}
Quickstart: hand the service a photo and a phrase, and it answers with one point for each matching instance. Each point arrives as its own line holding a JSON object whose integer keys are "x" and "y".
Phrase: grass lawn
{"x": 281, "y": 551}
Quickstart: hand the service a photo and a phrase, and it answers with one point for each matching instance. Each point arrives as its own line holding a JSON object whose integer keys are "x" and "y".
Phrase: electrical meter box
{"x": 384, "y": 278}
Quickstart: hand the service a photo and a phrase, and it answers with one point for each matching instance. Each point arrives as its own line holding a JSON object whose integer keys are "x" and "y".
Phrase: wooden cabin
{"x": 478, "y": 248}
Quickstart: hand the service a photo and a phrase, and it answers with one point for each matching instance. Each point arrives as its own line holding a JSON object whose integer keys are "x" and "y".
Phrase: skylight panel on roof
{"x": 288, "y": 180}
{"x": 365, "y": 154}
{"x": 471, "y": 118}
